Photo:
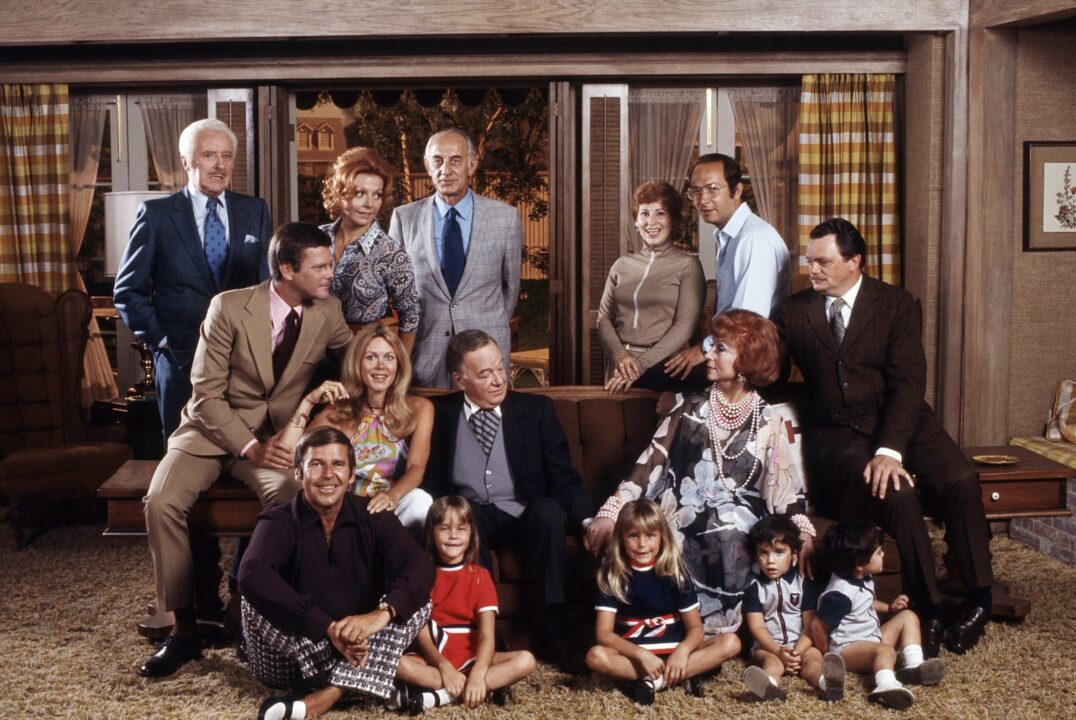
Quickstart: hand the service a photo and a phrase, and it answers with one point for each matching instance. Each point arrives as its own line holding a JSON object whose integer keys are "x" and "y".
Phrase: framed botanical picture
{"x": 1049, "y": 196}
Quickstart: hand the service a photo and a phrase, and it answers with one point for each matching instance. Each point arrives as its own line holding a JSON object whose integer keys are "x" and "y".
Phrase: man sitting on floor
{"x": 332, "y": 594}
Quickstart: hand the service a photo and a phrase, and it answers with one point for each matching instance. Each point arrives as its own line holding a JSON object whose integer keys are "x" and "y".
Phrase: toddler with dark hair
{"x": 778, "y": 606}
{"x": 847, "y": 624}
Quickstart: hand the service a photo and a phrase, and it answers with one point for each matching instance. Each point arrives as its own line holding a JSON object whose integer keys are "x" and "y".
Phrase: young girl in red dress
{"x": 460, "y": 664}
{"x": 648, "y": 626}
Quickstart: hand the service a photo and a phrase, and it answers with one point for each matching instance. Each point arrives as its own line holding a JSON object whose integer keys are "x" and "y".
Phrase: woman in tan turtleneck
{"x": 652, "y": 300}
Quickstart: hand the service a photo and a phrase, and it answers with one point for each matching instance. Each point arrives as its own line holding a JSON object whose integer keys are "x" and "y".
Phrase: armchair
{"x": 46, "y": 449}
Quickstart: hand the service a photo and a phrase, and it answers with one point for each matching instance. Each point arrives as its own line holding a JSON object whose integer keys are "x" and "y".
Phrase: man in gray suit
{"x": 466, "y": 249}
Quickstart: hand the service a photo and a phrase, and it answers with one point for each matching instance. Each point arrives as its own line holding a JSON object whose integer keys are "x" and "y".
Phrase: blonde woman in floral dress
{"x": 718, "y": 462}
{"x": 389, "y": 428}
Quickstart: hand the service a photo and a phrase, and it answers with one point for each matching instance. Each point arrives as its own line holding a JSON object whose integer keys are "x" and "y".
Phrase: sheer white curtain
{"x": 86, "y": 127}
{"x": 767, "y": 120}
{"x": 663, "y": 128}
{"x": 165, "y": 117}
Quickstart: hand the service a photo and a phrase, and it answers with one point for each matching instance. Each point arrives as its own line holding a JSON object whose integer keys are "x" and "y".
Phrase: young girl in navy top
{"x": 461, "y": 663}
{"x": 648, "y": 626}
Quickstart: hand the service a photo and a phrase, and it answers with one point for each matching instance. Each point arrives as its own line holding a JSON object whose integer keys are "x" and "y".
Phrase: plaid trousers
{"x": 281, "y": 660}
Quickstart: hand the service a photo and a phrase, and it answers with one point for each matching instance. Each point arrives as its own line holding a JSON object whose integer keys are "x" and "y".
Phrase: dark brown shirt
{"x": 301, "y": 584}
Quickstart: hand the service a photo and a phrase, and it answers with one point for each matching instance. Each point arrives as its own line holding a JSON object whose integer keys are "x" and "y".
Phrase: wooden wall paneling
{"x": 1013, "y": 13}
{"x": 564, "y": 320}
{"x": 63, "y": 21}
{"x": 923, "y": 162}
{"x": 605, "y": 199}
{"x": 235, "y": 107}
{"x": 953, "y": 235}
{"x": 988, "y": 267}
{"x": 141, "y": 67}
{"x": 276, "y": 134}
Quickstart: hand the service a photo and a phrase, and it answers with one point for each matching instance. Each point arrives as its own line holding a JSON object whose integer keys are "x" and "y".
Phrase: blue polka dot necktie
{"x": 452, "y": 252}
{"x": 216, "y": 241}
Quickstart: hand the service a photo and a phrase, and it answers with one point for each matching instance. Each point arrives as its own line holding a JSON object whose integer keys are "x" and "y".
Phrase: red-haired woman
{"x": 652, "y": 300}
{"x": 719, "y": 462}
{"x": 371, "y": 269}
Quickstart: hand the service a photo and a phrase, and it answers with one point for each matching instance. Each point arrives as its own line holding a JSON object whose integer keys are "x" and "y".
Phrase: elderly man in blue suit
{"x": 184, "y": 249}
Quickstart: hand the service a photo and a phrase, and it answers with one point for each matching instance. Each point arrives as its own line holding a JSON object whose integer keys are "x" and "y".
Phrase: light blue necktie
{"x": 216, "y": 241}
{"x": 723, "y": 251}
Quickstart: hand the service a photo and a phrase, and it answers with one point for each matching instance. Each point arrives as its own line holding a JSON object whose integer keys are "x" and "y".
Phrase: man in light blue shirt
{"x": 752, "y": 260}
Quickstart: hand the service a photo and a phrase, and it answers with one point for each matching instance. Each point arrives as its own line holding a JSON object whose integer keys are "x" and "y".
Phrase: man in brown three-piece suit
{"x": 257, "y": 352}
{"x": 876, "y": 447}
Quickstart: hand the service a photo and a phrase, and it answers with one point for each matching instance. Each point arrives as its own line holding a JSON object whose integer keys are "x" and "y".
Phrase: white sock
{"x": 437, "y": 698}
{"x": 658, "y": 684}
{"x": 885, "y": 679}
{"x": 912, "y": 655}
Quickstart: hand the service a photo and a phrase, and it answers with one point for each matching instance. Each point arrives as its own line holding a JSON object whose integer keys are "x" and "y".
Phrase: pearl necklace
{"x": 730, "y": 417}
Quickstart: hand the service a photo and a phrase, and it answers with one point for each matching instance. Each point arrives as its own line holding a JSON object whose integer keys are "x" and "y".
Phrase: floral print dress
{"x": 710, "y": 517}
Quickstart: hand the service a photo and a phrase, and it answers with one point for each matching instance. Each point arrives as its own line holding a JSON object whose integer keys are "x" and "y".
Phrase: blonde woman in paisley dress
{"x": 389, "y": 428}
{"x": 718, "y": 462}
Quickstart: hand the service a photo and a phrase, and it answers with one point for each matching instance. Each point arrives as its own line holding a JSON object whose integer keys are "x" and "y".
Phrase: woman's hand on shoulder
{"x": 597, "y": 535}
{"x": 330, "y": 391}
{"x": 382, "y": 502}
{"x": 806, "y": 556}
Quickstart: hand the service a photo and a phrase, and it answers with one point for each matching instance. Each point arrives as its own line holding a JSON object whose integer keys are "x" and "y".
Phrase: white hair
{"x": 472, "y": 151}
{"x": 189, "y": 136}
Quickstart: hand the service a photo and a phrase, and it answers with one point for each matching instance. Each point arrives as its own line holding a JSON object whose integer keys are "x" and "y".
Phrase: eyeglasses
{"x": 707, "y": 191}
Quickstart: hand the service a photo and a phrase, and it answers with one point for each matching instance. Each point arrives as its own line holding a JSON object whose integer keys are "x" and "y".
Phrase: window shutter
{"x": 606, "y": 199}
{"x": 235, "y": 108}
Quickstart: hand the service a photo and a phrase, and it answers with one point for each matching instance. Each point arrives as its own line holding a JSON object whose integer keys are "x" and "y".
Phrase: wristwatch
{"x": 384, "y": 605}
{"x": 707, "y": 344}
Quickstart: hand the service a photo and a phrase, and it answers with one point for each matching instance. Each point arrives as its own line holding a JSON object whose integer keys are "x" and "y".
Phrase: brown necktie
{"x": 284, "y": 349}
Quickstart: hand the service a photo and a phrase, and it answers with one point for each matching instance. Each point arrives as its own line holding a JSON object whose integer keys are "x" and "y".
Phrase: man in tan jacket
{"x": 257, "y": 352}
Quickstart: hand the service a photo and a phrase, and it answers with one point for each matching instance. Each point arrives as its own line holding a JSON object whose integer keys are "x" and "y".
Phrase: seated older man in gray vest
{"x": 506, "y": 453}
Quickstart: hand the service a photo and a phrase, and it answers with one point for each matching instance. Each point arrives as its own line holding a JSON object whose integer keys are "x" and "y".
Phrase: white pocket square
{"x": 250, "y": 239}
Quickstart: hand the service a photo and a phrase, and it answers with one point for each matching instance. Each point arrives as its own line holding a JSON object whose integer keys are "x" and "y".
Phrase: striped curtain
{"x": 35, "y": 244}
{"x": 848, "y": 164}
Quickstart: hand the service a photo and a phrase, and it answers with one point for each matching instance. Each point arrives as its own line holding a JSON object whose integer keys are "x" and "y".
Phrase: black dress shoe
{"x": 933, "y": 631}
{"x": 966, "y": 632}
{"x": 499, "y": 697}
{"x": 175, "y": 651}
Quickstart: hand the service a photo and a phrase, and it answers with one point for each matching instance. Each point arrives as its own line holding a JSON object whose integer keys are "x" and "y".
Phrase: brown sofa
{"x": 606, "y": 433}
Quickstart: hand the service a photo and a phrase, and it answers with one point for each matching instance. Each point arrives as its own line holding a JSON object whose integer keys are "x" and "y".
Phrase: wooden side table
{"x": 1034, "y": 486}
